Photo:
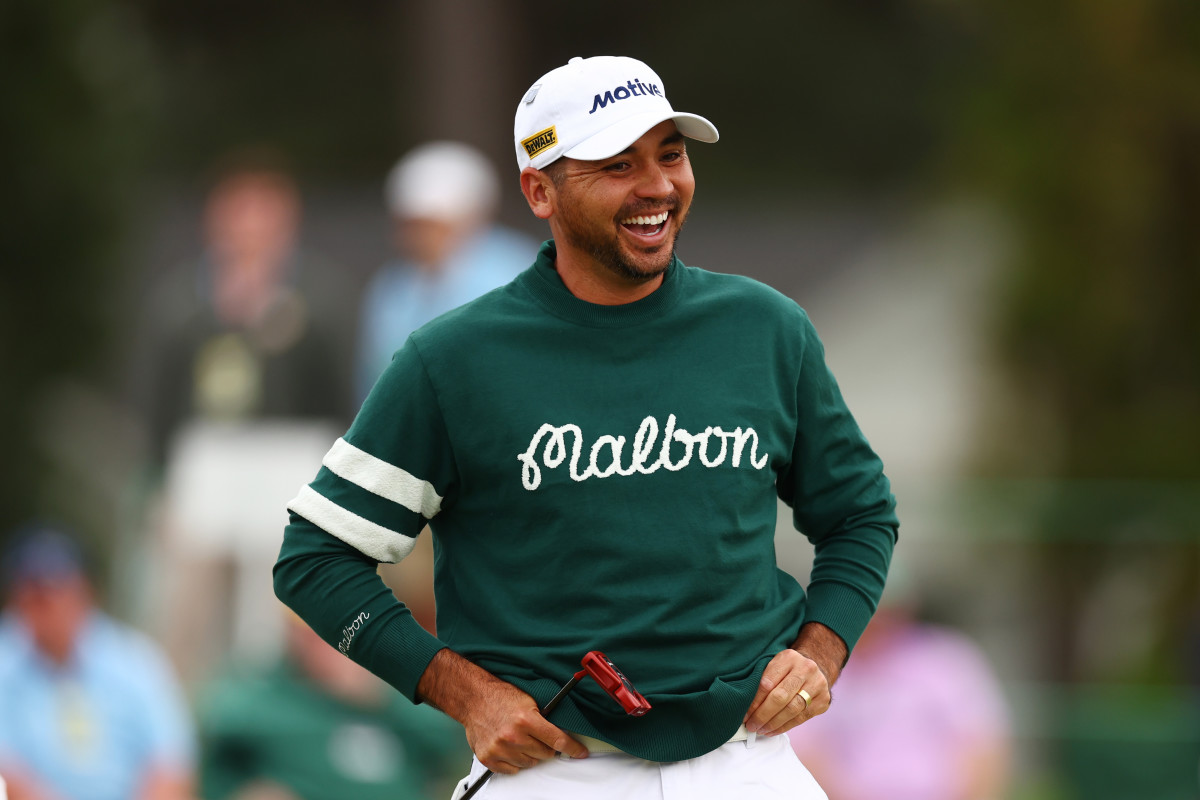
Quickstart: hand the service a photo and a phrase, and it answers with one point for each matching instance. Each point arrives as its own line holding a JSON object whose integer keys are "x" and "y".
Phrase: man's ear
{"x": 538, "y": 189}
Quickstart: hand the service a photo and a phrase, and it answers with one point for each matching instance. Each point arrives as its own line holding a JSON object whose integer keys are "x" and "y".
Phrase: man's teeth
{"x": 657, "y": 219}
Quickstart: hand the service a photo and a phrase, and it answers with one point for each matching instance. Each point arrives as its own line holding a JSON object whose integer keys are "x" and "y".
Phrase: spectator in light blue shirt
{"x": 89, "y": 708}
{"x": 443, "y": 198}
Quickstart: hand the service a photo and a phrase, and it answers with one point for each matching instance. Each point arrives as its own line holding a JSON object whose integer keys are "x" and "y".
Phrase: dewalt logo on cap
{"x": 542, "y": 140}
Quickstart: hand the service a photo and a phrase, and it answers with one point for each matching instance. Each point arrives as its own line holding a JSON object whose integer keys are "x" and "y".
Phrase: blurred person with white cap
{"x": 598, "y": 449}
{"x": 90, "y": 708}
{"x": 443, "y": 197}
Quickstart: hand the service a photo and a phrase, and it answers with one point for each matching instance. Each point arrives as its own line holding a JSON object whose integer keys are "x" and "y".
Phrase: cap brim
{"x": 618, "y": 137}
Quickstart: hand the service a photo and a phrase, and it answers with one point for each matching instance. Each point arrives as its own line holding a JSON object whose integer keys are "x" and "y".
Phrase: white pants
{"x": 758, "y": 769}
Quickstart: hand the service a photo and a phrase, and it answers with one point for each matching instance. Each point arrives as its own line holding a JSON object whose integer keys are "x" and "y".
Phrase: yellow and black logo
{"x": 542, "y": 140}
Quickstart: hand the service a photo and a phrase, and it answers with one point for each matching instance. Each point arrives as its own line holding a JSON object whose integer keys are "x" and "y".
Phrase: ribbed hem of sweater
{"x": 840, "y": 607}
{"x": 400, "y": 653}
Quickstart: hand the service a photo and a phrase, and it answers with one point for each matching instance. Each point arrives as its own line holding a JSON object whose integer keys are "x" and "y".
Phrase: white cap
{"x": 442, "y": 180}
{"x": 593, "y": 108}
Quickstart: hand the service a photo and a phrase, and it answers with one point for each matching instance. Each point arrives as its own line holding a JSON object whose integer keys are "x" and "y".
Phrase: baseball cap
{"x": 593, "y": 108}
{"x": 42, "y": 552}
{"x": 442, "y": 180}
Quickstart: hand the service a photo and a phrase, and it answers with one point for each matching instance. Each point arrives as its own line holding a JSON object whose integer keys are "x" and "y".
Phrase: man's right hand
{"x": 504, "y": 728}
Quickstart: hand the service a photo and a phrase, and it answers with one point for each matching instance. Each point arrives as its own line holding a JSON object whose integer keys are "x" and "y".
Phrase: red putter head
{"x": 605, "y": 673}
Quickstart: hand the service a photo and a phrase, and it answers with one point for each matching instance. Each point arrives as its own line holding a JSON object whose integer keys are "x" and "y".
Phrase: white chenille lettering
{"x": 558, "y": 440}
{"x": 670, "y": 434}
{"x": 616, "y": 444}
{"x": 703, "y": 438}
{"x": 643, "y": 444}
{"x": 740, "y": 438}
{"x": 531, "y": 474}
{"x": 610, "y": 450}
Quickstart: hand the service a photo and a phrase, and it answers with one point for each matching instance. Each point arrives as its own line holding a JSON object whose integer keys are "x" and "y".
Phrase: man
{"x": 89, "y": 709}
{"x": 242, "y": 358}
{"x": 598, "y": 448}
{"x": 257, "y": 326}
{"x": 443, "y": 198}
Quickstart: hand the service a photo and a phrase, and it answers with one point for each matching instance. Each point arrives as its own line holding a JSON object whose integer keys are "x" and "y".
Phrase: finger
{"x": 556, "y": 739}
{"x": 506, "y": 762}
{"x": 780, "y": 698}
{"x": 536, "y": 743}
{"x": 510, "y": 757}
{"x": 781, "y": 679}
{"x": 788, "y": 717}
{"x": 538, "y": 751}
{"x": 798, "y": 711}
{"x": 500, "y": 767}
{"x": 570, "y": 746}
{"x": 775, "y": 671}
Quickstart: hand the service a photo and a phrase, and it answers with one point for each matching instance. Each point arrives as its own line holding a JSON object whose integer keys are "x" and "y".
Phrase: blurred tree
{"x": 77, "y": 88}
{"x": 1086, "y": 126}
{"x": 1089, "y": 125}
{"x": 826, "y": 98}
{"x": 1084, "y": 123}
{"x": 321, "y": 82}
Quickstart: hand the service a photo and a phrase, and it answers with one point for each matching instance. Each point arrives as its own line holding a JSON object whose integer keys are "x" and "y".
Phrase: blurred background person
{"x": 316, "y": 726}
{"x": 256, "y": 326}
{"x": 443, "y": 197}
{"x": 245, "y": 365}
{"x": 917, "y": 714}
{"x": 89, "y": 708}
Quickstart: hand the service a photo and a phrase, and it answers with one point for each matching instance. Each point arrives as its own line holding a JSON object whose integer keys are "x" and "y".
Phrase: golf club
{"x": 611, "y": 680}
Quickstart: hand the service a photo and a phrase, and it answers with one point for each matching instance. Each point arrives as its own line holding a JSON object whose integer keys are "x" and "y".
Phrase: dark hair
{"x": 556, "y": 169}
{"x": 42, "y": 551}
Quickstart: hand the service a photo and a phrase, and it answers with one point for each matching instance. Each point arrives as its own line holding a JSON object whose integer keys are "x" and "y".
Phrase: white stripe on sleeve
{"x": 376, "y": 541}
{"x": 381, "y": 478}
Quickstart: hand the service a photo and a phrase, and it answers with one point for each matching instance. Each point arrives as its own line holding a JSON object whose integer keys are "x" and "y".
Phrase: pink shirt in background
{"x": 908, "y": 710}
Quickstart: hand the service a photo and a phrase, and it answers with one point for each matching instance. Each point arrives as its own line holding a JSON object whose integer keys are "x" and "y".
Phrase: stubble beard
{"x": 606, "y": 249}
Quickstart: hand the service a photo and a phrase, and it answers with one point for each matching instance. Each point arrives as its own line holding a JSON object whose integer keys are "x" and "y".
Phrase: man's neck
{"x": 597, "y": 284}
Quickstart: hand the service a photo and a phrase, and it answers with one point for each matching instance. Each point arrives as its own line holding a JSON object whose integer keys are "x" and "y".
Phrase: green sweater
{"x": 600, "y": 477}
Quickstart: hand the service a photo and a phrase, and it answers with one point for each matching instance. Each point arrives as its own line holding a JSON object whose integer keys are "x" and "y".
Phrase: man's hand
{"x": 812, "y": 665}
{"x": 504, "y": 728}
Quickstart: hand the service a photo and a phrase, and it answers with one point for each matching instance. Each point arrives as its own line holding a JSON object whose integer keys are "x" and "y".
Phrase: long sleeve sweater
{"x": 600, "y": 477}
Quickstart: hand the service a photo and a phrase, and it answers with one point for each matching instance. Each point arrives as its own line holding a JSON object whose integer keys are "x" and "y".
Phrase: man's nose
{"x": 654, "y": 182}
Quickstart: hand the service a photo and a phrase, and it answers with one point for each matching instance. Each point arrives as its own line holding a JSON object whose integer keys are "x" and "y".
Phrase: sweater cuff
{"x": 840, "y": 607}
{"x": 401, "y": 652}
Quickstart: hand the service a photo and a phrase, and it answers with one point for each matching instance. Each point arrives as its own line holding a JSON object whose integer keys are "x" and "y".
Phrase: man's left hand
{"x": 796, "y": 684}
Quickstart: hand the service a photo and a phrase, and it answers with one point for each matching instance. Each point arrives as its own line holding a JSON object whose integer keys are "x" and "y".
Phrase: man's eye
{"x": 619, "y": 166}
{"x": 674, "y": 155}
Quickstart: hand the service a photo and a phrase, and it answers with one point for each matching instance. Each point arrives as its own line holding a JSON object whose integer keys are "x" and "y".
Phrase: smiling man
{"x": 616, "y": 219}
{"x": 598, "y": 449}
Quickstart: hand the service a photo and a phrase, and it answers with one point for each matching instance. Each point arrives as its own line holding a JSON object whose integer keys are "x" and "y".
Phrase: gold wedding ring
{"x": 806, "y": 697}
